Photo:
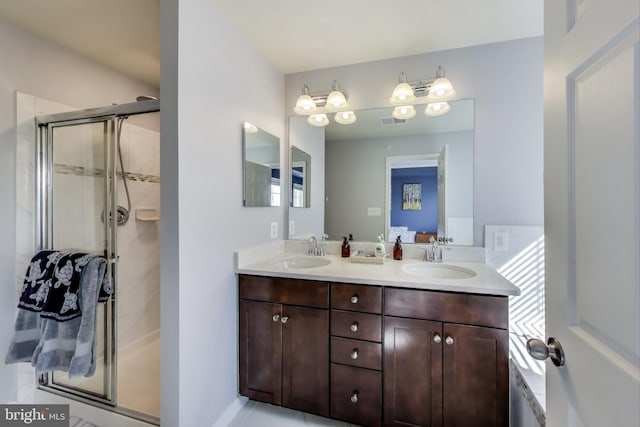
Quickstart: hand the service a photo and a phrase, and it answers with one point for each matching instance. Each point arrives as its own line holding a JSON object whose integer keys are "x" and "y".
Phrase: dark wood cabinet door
{"x": 476, "y": 376}
{"x": 305, "y": 362}
{"x": 260, "y": 351}
{"x": 412, "y": 371}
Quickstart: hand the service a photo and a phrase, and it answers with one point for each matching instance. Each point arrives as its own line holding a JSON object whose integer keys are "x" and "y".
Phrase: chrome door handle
{"x": 276, "y": 317}
{"x": 354, "y": 299}
{"x": 284, "y": 319}
{"x": 354, "y": 327}
{"x": 354, "y": 354}
{"x": 541, "y": 351}
{"x": 449, "y": 340}
{"x": 354, "y": 397}
{"x": 437, "y": 339}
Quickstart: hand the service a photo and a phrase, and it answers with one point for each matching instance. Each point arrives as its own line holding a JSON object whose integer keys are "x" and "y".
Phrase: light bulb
{"x": 318, "y": 120}
{"x": 345, "y": 117}
{"x": 404, "y": 112}
{"x": 437, "y": 108}
{"x": 336, "y": 101}
{"x": 402, "y": 94}
{"x": 441, "y": 89}
{"x": 305, "y": 105}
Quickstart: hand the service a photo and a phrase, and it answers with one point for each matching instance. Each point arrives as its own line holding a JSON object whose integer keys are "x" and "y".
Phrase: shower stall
{"x": 98, "y": 191}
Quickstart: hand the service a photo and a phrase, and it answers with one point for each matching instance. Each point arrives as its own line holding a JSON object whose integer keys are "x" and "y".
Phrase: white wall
{"x": 505, "y": 79}
{"x": 212, "y": 81}
{"x": 38, "y": 67}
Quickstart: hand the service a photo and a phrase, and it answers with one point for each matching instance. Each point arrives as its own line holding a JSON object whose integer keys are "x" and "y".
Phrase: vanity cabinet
{"x": 373, "y": 355}
{"x": 284, "y": 342}
{"x": 445, "y": 359}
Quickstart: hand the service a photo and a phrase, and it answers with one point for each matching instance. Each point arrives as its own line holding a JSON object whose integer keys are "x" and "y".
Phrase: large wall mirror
{"x": 411, "y": 178}
{"x": 261, "y": 167}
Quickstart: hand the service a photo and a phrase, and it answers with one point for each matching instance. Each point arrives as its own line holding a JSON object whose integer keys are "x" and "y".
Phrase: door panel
{"x": 412, "y": 373}
{"x": 79, "y": 164}
{"x": 592, "y": 210}
{"x": 476, "y": 376}
{"x": 305, "y": 359}
{"x": 260, "y": 351}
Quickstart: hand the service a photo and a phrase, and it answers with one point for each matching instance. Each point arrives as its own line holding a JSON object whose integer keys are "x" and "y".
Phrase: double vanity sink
{"x": 469, "y": 277}
{"x": 399, "y": 343}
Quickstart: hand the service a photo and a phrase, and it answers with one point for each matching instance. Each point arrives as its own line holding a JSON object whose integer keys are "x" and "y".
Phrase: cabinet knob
{"x": 449, "y": 340}
{"x": 276, "y": 317}
{"x": 284, "y": 319}
{"x": 354, "y": 354}
{"x": 354, "y": 397}
{"x": 437, "y": 339}
{"x": 354, "y": 299}
{"x": 354, "y": 327}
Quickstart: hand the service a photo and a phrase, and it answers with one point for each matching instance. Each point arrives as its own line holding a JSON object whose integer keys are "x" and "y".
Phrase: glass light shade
{"x": 336, "y": 101}
{"x": 250, "y": 128}
{"x": 305, "y": 105}
{"x": 437, "y": 108}
{"x": 402, "y": 94}
{"x": 440, "y": 89}
{"x": 318, "y": 120}
{"x": 345, "y": 117}
{"x": 403, "y": 113}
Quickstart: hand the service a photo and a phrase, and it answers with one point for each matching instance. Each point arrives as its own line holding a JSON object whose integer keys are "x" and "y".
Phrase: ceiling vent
{"x": 389, "y": 121}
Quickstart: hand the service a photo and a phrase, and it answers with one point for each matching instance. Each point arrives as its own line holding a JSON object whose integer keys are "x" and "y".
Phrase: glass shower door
{"x": 77, "y": 198}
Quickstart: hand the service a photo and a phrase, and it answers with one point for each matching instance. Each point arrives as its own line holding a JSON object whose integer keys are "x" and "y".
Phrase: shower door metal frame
{"x": 44, "y": 174}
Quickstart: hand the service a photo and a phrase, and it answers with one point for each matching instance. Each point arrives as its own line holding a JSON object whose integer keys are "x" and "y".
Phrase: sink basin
{"x": 301, "y": 262}
{"x": 427, "y": 270}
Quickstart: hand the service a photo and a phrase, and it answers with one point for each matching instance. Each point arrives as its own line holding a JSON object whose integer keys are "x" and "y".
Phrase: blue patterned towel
{"x": 55, "y": 326}
{"x": 52, "y": 282}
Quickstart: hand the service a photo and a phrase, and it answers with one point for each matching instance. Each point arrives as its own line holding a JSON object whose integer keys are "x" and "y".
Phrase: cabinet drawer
{"x": 356, "y": 353}
{"x": 356, "y": 395}
{"x": 356, "y": 297}
{"x": 363, "y": 326}
{"x": 286, "y": 291}
{"x": 481, "y": 310}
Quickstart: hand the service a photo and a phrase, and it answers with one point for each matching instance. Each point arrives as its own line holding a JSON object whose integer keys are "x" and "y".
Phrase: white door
{"x": 592, "y": 210}
{"x": 442, "y": 192}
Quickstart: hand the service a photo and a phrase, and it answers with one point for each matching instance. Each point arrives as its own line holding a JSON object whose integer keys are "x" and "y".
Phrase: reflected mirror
{"x": 261, "y": 167}
{"x": 300, "y": 178}
{"x": 412, "y": 178}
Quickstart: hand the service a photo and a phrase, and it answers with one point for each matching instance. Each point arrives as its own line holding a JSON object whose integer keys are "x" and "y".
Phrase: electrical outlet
{"x": 501, "y": 241}
{"x": 292, "y": 227}
{"x": 274, "y": 230}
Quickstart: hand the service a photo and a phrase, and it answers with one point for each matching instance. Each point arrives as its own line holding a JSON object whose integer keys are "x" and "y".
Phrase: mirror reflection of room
{"x": 261, "y": 167}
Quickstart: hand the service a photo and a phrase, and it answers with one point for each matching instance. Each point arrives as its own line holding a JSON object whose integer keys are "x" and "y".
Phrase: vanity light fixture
{"x": 435, "y": 91}
{"x": 437, "y": 108}
{"x": 404, "y": 112}
{"x": 345, "y": 117}
{"x": 336, "y": 101}
{"x": 441, "y": 89}
{"x": 318, "y": 120}
{"x": 305, "y": 104}
{"x": 403, "y": 92}
{"x": 316, "y": 106}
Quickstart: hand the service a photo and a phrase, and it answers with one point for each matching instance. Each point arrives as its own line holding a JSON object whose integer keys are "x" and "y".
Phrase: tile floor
{"x": 264, "y": 415}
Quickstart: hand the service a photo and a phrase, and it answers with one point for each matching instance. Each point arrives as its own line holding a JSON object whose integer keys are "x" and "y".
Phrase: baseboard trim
{"x": 230, "y": 413}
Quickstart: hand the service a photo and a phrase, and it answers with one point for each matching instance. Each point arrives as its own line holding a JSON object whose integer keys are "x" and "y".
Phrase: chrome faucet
{"x": 434, "y": 253}
{"x": 315, "y": 248}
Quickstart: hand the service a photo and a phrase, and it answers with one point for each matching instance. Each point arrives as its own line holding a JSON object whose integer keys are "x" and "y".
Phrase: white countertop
{"x": 390, "y": 273}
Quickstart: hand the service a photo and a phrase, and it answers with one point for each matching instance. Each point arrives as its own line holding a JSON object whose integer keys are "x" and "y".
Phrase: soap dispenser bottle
{"x": 346, "y": 248}
{"x": 397, "y": 249}
{"x": 379, "y": 251}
